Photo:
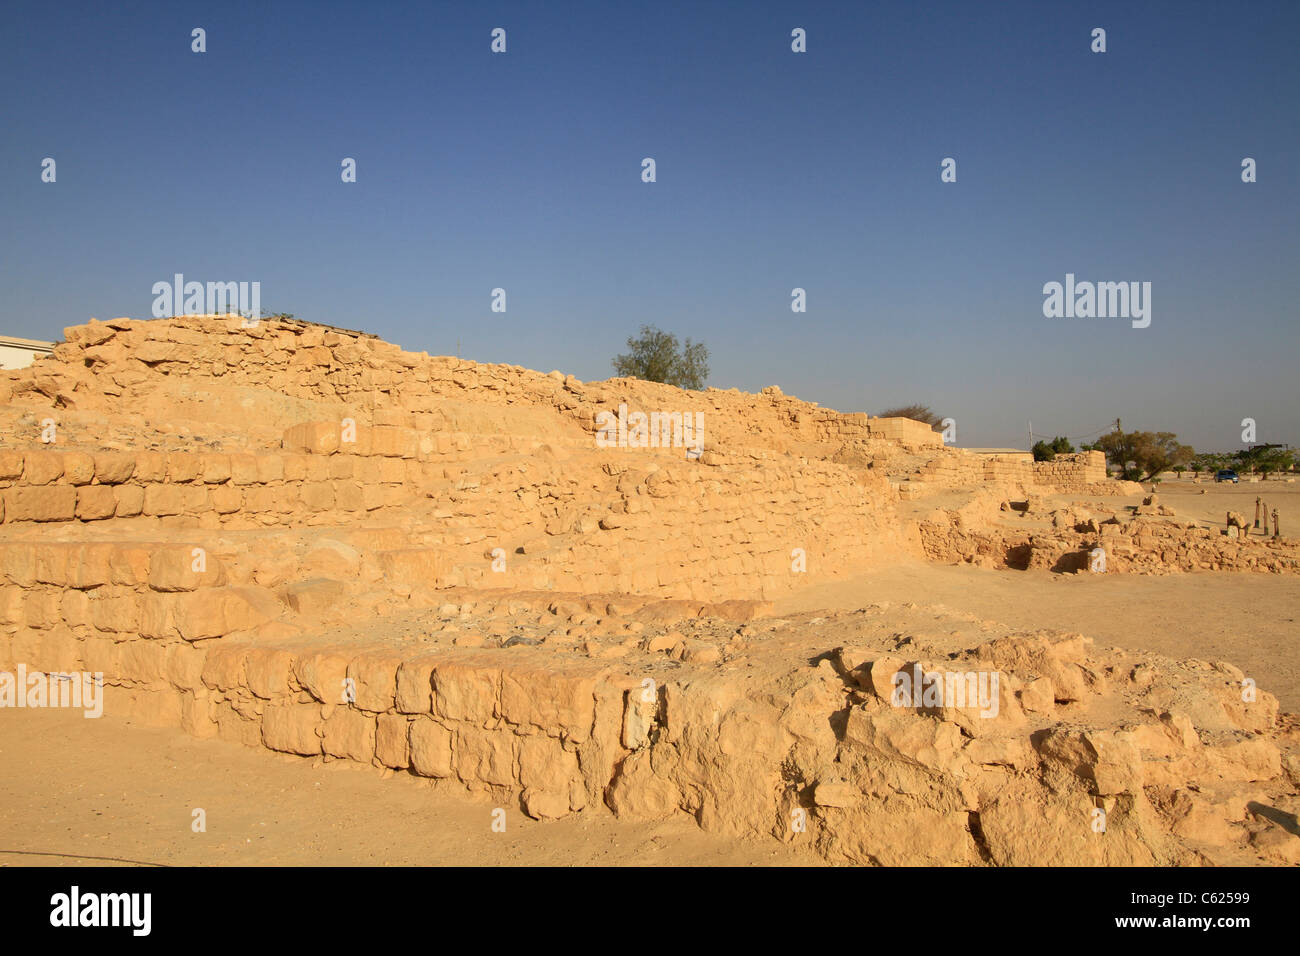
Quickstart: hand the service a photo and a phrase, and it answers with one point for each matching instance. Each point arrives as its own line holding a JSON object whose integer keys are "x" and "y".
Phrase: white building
{"x": 20, "y": 353}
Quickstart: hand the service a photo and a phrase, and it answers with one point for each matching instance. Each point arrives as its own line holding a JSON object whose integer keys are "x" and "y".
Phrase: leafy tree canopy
{"x": 656, "y": 357}
{"x": 1141, "y": 456}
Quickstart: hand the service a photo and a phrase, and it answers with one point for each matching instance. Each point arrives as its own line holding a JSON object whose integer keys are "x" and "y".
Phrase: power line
{"x": 1096, "y": 431}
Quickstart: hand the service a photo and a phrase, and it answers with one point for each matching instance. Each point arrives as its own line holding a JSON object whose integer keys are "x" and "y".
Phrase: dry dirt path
{"x": 79, "y": 792}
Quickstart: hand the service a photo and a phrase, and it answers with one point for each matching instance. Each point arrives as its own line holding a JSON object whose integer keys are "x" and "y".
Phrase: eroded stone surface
{"x": 308, "y": 540}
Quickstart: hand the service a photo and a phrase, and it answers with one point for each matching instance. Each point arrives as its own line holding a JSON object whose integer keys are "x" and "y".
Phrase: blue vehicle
{"x": 1227, "y": 474}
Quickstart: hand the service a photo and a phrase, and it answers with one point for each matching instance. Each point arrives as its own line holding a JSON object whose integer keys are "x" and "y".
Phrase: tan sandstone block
{"x": 142, "y": 662}
{"x": 78, "y": 468}
{"x": 183, "y": 666}
{"x": 96, "y": 502}
{"x": 466, "y": 692}
{"x": 41, "y": 503}
{"x": 323, "y": 674}
{"x": 243, "y": 469}
{"x": 157, "y": 616}
{"x": 11, "y": 465}
{"x": 113, "y": 468}
{"x": 182, "y": 466}
{"x": 177, "y": 569}
{"x": 292, "y": 728}
{"x": 162, "y": 500}
{"x": 52, "y": 563}
{"x": 431, "y": 748}
{"x": 351, "y": 734}
{"x": 116, "y": 613}
{"x": 485, "y": 756}
{"x": 269, "y": 672}
{"x": 215, "y": 612}
{"x": 392, "y": 747}
{"x": 12, "y": 603}
{"x": 553, "y": 701}
{"x": 415, "y": 687}
{"x": 130, "y": 500}
{"x": 315, "y": 438}
{"x": 129, "y": 565}
{"x": 545, "y": 765}
{"x": 375, "y": 681}
{"x": 90, "y": 566}
{"x": 214, "y": 468}
{"x": 223, "y": 666}
{"x": 42, "y": 467}
{"x": 270, "y": 468}
{"x": 227, "y": 499}
{"x": 150, "y": 467}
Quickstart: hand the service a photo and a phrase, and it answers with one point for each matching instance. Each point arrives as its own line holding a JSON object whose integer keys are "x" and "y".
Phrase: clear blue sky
{"x": 775, "y": 170}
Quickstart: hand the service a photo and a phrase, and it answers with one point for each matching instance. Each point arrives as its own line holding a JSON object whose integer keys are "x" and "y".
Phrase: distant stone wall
{"x": 1071, "y": 472}
{"x": 104, "y": 365}
{"x": 904, "y": 430}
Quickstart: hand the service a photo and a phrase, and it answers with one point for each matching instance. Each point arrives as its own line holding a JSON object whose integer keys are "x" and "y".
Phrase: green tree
{"x": 656, "y": 357}
{"x": 1043, "y": 451}
{"x": 1267, "y": 459}
{"x": 1142, "y": 456}
{"x": 1207, "y": 461}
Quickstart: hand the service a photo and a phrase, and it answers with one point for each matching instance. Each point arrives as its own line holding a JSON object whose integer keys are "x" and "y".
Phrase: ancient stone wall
{"x": 308, "y": 540}
{"x": 1071, "y": 473}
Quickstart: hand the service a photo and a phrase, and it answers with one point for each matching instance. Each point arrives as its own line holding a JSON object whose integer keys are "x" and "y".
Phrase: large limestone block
{"x": 430, "y": 748}
{"x": 351, "y": 734}
{"x": 113, "y": 468}
{"x": 314, "y": 438}
{"x": 292, "y": 728}
{"x": 466, "y": 691}
{"x": 96, "y": 502}
{"x": 184, "y": 568}
{"x": 375, "y": 681}
{"x": 414, "y": 693}
{"x": 549, "y": 699}
{"x": 41, "y": 503}
{"x": 42, "y": 467}
{"x": 324, "y": 675}
{"x": 223, "y": 667}
{"x": 392, "y": 744}
{"x": 216, "y": 612}
{"x": 78, "y": 468}
{"x": 485, "y": 756}
{"x": 269, "y": 672}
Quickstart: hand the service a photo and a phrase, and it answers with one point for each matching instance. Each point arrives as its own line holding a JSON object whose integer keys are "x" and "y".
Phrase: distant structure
{"x": 20, "y": 353}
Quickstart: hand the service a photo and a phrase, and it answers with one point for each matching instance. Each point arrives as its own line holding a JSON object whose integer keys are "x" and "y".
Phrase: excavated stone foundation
{"x": 308, "y": 540}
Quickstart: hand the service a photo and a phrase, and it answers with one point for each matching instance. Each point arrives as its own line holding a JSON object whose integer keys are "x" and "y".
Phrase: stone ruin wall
{"x": 517, "y": 467}
{"x": 1074, "y": 473}
{"x": 302, "y": 533}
